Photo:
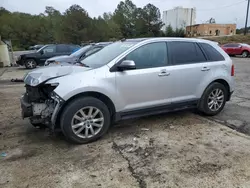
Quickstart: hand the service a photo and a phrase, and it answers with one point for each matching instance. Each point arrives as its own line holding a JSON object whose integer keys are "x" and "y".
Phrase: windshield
{"x": 79, "y": 52}
{"x": 107, "y": 54}
{"x": 42, "y": 48}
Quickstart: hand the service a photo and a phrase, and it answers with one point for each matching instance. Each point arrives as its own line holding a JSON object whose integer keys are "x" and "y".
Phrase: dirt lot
{"x": 172, "y": 150}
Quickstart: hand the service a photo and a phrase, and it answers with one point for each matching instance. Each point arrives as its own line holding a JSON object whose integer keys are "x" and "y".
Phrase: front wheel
{"x": 85, "y": 120}
{"x": 30, "y": 64}
{"x": 213, "y": 99}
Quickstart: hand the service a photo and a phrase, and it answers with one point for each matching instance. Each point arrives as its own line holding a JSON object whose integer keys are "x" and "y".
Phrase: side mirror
{"x": 126, "y": 65}
{"x": 41, "y": 52}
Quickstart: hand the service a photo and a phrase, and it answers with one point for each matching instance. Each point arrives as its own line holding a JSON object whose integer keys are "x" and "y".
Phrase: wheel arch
{"x": 105, "y": 99}
{"x": 224, "y": 83}
{"x": 246, "y": 50}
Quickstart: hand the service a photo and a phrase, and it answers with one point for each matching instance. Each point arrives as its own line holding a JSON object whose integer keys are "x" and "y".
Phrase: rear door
{"x": 188, "y": 68}
{"x": 228, "y": 49}
{"x": 63, "y": 49}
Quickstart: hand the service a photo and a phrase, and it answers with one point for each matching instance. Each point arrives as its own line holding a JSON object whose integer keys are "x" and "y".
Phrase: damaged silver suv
{"x": 127, "y": 79}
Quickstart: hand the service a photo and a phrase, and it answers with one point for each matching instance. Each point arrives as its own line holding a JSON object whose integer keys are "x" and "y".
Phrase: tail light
{"x": 232, "y": 70}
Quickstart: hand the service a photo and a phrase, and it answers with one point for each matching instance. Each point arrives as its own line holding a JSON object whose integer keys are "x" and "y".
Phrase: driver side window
{"x": 49, "y": 49}
{"x": 149, "y": 56}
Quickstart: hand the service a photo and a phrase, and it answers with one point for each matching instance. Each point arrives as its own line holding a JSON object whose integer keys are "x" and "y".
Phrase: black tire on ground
{"x": 245, "y": 54}
{"x": 30, "y": 64}
{"x": 203, "y": 103}
{"x": 72, "y": 108}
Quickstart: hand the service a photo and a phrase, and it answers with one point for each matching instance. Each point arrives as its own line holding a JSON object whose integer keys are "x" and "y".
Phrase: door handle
{"x": 205, "y": 69}
{"x": 164, "y": 73}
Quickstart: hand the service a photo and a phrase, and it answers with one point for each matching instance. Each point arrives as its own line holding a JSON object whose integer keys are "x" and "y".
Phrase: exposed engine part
{"x": 41, "y": 105}
{"x": 38, "y": 108}
{"x": 39, "y": 94}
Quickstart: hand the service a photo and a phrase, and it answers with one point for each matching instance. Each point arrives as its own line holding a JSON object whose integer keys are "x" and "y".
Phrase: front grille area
{"x": 35, "y": 94}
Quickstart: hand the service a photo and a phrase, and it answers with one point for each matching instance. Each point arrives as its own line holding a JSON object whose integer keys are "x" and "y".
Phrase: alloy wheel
{"x": 87, "y": 122}
{"x": 216, "y": 99}
{"x": 244, "y": 54}
{"x": 30, "y": 64}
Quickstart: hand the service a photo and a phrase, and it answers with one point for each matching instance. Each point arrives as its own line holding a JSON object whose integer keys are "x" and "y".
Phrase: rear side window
{"x": 62, "y": 48}
{"x": 185, "y": 53}
{"x": 211, "y": 52}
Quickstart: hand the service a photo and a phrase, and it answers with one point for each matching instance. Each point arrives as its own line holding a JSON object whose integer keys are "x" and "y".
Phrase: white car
{"x": 127, "y": 79}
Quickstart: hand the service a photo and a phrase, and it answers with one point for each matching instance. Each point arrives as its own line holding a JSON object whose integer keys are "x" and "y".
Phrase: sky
{"x": 224, "y": 11}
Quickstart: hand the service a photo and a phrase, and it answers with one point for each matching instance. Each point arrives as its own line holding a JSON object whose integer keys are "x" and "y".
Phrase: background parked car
{"x": 76, "y": 56}
{"x": 31, "y": 60}
{"x": 237, "y": 49}
{"x": 36, "y": 47}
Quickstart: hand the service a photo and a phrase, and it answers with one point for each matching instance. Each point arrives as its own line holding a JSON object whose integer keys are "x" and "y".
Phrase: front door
{"x": 188, "y": 69}
{"x": 238, "y": 49}
{"x": 148, "y": 85}
{"x": 47, "y": 52}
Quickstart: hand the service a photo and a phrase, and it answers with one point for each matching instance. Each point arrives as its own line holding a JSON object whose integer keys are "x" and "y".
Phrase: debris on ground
{"x": 17, "y": 80}
{"x": 3, "y": 154}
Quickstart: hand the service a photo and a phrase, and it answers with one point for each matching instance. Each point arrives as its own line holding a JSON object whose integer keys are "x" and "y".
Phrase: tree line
{"x": 76, "y": 26}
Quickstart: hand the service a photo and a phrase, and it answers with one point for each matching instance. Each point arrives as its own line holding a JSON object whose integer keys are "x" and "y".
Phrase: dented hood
{"x": 43, "y": 74}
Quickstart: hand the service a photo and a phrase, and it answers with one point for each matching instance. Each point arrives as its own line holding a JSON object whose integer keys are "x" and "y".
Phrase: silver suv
{"x": 127, "y": 79}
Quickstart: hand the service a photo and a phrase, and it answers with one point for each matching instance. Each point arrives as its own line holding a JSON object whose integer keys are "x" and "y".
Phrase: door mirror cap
{"x": 126, "y": 65}
{"x": 41, "y": 52}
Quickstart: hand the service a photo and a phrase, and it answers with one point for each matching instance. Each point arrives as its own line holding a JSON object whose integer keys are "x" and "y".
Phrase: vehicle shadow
{"x": 123, "y": 128}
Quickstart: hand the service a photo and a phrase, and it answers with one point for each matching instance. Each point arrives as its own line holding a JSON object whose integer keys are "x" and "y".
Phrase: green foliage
{"x": 76, "y": 26}
{"x": 169, "y": 32}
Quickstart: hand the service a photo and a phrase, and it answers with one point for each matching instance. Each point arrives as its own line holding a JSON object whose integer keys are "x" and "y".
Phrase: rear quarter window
{"x": 211, "y": 52}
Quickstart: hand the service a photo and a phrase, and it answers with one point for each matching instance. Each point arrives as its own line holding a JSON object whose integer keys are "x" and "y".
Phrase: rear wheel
{"x": 85, "y": 120}
{"x": 213, "y": 99}
{"x": 30, "y": 64}
{"x": 245, "y": 54}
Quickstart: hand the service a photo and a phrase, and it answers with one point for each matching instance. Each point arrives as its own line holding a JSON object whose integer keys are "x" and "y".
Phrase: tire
{"x": 30, "y": 64}
{"x": 245, "y": 54}
{"x": 73, "y": 109}
{"x": 205, "y": 100}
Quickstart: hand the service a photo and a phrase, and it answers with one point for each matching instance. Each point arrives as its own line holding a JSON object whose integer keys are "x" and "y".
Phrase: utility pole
{"x": 191, "y": 22}
{"x": 245, "y": 32}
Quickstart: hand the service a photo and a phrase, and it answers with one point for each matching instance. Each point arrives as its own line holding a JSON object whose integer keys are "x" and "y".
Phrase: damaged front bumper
{"x": 45, "y": 112}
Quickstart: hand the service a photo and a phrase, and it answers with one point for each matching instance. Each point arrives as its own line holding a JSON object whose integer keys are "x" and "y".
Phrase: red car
{"x": 237, "y": 49}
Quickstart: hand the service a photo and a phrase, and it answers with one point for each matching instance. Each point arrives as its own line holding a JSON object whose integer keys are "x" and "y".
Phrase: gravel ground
{"x": 172, "y": 150}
